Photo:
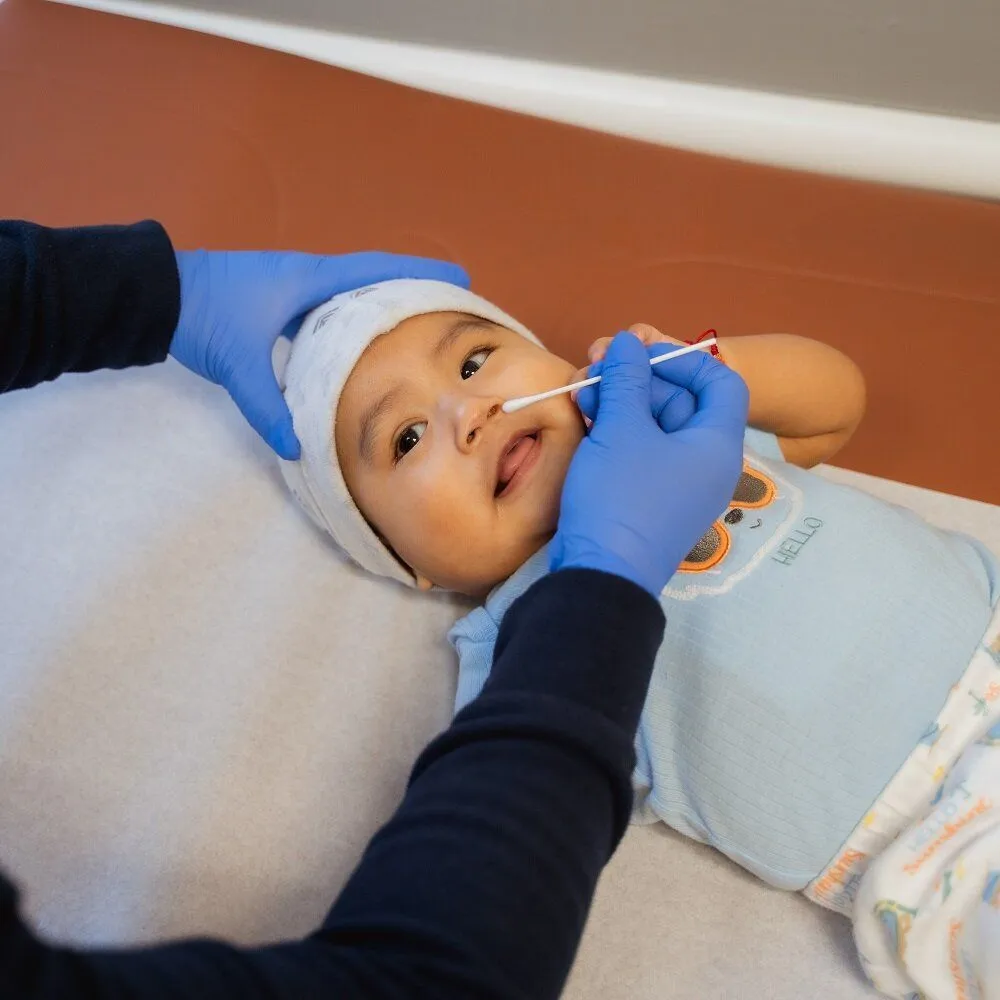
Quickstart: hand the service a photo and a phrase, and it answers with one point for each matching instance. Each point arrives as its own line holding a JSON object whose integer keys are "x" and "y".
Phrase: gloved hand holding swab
{"x": 513, "y": 405}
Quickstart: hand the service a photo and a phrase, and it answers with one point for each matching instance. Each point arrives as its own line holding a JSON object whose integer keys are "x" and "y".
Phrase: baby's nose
{"x": 493, "y": 410}
{"x": 471, "y": 416}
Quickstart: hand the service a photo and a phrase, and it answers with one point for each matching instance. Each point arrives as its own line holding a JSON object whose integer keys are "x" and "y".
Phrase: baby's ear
{"x": 422, "y": 582}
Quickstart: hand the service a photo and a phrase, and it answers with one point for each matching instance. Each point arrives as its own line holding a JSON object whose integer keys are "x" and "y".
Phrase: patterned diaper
{"x": 920, "y": 874}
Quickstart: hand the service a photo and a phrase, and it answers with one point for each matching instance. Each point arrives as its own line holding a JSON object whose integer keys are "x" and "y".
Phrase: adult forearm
{"x": 74, "y": 300}
{"x": 481, "y": 883}
{"x": 485, "y": 876}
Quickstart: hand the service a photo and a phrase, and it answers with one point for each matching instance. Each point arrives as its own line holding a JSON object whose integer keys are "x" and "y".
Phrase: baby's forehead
{"x": 415, "y": 344}
{"x": 426, "y": 329}
{"x": 426, "y": 338}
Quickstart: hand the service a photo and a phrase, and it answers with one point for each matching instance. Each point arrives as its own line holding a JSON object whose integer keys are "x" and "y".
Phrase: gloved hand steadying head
{"x": 636, "y": 498}
{"x": 235, "y": 305}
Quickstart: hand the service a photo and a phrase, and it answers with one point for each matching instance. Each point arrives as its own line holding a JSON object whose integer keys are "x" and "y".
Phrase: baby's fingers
{"x": 598, "y": 349}
{"x": 647, "y": 335}
{"x": 650, "y": 335}
{"x": 578, "y": 376}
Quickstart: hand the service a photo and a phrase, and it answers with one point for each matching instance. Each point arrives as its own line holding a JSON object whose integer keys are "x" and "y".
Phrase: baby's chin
{"x": 478, "y": 586}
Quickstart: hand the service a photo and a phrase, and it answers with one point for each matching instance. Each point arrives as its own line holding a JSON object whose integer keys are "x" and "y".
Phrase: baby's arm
{"x": 808, "y": 394}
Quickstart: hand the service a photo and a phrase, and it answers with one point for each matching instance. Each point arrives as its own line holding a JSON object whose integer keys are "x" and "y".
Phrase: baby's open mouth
{"x": 517, "y": 457}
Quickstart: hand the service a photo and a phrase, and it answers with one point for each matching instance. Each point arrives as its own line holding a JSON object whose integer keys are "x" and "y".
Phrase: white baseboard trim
{"x": 878, "y": 144}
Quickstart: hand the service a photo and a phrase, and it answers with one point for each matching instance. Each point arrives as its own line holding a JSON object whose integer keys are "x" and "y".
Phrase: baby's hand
{"x": 649, "y": 335}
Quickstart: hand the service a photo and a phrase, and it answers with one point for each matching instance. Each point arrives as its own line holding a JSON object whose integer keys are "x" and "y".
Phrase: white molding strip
{"x": 879, "y": 144}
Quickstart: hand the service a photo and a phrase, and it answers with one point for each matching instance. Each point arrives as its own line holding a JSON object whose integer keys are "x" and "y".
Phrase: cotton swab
{"x": 513, "y": 405}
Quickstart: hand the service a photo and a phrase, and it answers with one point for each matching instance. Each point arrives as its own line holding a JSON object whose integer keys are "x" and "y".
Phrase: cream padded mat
{"x": 205, "y": 713}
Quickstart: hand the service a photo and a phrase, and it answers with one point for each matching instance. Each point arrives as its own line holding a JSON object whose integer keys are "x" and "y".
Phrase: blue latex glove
{"x": 637, "y": 499}
{"x": 235, "y": 305}
{"x": 672, "y": 405}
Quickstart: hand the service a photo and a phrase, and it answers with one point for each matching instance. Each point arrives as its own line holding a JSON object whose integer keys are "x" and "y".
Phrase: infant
{"x": 825, "y": 707}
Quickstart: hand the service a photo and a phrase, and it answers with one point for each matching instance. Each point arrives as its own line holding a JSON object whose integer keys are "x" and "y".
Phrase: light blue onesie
{"x": 811, "y": 638}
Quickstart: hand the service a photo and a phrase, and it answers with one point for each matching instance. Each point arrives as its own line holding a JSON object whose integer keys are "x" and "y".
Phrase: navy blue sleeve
{"x": 74, "y": 300}
{"x": 481, "y": 883}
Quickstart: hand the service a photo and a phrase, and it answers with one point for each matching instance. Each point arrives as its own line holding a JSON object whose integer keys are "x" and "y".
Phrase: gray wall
{"x": 930, "y": 55}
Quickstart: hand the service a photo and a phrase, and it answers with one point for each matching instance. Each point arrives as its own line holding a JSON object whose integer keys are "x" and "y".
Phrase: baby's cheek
{"x": 567, "y": 412}
{"x": 423, "y": 506}
{"x": 440, "y": 544}
{"x": 523, "y": 380}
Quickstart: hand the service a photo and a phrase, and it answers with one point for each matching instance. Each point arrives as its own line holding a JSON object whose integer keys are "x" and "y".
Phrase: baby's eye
{"x": 407, "y": 441}
{"x": 474, "y": 362}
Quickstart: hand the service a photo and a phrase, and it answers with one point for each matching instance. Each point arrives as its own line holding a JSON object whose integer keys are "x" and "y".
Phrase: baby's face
{"x": 460, "y": 490}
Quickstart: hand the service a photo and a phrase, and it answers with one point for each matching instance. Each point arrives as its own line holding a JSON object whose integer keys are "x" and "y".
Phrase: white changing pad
{"x": 205, "y": 713}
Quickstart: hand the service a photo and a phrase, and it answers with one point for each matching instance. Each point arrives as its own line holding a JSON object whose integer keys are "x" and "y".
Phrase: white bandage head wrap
{"x": 324, "y": 352}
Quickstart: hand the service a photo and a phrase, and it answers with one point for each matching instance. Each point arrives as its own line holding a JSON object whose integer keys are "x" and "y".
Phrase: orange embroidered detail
{"x": 715, "y": 544}
{"x": 753, "y": 491}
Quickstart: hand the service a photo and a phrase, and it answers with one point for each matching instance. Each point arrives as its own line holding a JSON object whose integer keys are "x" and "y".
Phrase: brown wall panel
{"x": 578, "y": 234}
